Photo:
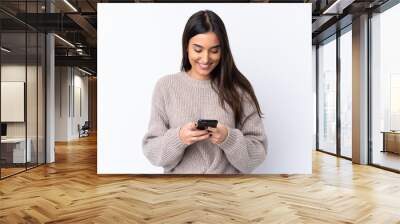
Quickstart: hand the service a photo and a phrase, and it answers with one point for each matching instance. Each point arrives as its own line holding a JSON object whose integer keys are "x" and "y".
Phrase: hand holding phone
{"x": 203, "y": 124}
{"x": 189, "y": 134}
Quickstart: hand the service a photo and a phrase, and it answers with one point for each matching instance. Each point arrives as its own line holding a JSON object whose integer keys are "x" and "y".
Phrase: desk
{"x": 15, "y": 148}
{"x": 391, "y": 141}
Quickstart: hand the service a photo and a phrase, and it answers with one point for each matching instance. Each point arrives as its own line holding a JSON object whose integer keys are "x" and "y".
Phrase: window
{"x": 327, "y": 96}
{"x": 385, "y": 88}
{"x": 346, "y": 93}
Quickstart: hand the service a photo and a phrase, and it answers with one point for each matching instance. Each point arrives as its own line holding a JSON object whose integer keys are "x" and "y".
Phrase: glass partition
{"x": 14, "y": 153}
{"x": 32, "y": 95}
{"x": 327, "y": 96}
{"x": 22, "y": 76}
{"x": 41, "y": 85}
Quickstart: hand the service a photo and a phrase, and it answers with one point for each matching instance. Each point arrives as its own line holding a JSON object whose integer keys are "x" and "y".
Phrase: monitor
{"x": 3, "y": 129}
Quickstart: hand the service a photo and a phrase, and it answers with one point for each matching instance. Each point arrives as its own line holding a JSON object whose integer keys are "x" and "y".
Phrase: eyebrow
{"x": 216, "y": 46}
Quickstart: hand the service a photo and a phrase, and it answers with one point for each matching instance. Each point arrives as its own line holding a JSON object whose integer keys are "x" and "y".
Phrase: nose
{"x": 205, "y": 58}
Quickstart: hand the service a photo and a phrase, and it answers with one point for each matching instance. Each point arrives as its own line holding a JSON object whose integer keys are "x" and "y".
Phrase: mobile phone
{"x": 203, "y": 124}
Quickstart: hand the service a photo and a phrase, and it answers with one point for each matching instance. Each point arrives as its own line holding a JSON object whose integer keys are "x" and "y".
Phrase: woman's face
{"x": 204, "y": 54}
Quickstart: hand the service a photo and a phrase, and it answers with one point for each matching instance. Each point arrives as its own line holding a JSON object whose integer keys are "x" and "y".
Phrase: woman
{"x": 209, "y": 87}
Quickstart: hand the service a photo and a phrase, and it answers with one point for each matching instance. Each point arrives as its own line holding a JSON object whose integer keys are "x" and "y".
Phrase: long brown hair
{"x": 225, "y": 77}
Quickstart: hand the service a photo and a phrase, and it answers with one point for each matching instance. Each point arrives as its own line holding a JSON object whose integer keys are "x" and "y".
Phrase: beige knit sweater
{"x": 179, "y": 99}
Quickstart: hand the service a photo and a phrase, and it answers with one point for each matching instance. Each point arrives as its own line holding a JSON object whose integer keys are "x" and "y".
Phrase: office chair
{"x": 84, "y": 130}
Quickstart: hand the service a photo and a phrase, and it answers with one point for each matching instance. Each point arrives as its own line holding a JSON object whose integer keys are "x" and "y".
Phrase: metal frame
{"x": 37, "y": 91}
{"x": 387, "y": 5}
{"x": 317, "y": 96}
{"x": 26, "y": 89}
{"x": 45, "y": 89}
{"x": 338, "y": 98}
{"x": 340, "y": 31}
{"x": 369, "y": 91}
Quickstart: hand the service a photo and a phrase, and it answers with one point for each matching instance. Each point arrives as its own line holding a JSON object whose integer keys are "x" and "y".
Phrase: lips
{"x": 204, "y": 66}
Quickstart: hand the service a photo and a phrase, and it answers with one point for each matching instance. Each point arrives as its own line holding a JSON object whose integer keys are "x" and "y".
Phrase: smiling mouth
{"x": 204, "y": 66}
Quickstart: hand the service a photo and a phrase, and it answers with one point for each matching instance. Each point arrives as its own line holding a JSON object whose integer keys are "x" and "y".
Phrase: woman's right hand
{"x": 189, "y": 134}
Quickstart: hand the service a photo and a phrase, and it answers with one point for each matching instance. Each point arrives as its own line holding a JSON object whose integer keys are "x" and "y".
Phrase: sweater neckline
{"x": 197, "y": 82}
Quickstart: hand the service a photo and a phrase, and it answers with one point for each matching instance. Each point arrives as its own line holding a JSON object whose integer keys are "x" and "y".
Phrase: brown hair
{"x": 226, "y": 79}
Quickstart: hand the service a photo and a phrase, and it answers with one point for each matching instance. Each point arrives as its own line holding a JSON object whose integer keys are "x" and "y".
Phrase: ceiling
{"x": 76, "y": 22}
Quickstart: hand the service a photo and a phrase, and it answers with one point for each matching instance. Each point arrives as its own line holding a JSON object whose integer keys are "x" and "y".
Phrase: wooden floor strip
{"x": 70, "y": 191}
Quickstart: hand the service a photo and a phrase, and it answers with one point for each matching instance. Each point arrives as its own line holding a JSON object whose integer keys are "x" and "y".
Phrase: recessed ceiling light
{"x": 86, "y": 72}
{"x": 70, "y": 5}
{"x": 64, "y": 40}
{"x": 5, "y": 50}
{"x": 337, "y": 7}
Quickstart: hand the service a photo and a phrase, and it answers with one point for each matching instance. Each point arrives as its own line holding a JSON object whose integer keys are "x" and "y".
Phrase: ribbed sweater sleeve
{"x": 245, "y": 147}
{"x": 161, "y": 144}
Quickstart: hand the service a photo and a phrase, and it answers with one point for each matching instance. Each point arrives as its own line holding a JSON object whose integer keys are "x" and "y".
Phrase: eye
{"x": 214, "y": 51}
{"x": 197, "y": 49}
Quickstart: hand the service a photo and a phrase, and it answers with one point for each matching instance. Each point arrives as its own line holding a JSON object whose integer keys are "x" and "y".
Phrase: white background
{"x": 139, "y": 43}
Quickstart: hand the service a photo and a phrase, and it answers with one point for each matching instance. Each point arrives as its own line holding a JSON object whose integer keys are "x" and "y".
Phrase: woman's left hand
{"x": 218, "y": 134}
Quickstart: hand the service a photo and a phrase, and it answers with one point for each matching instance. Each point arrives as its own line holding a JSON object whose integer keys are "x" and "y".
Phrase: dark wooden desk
{"x": 391, "y": 141}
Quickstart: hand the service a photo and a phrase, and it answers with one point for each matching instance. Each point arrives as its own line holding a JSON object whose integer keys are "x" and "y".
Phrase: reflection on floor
{"x": 347, "y": 152}
{"x": 13, "y": 169}
{"x": 10, "y": 171}
{"x": 386, "y": 159}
